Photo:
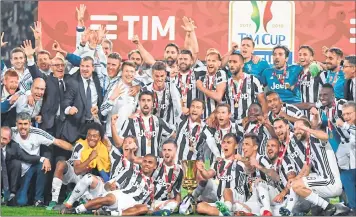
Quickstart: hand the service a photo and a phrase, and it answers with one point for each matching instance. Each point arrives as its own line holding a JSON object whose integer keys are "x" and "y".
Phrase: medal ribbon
{"x": 173, "y": 177}
{"x": 188, "y": 80}
{"x": 197, "y": 134}
{"x": 307, "y": 152}
{"x": 236, "y": 96}
{"x": 148, "y": 135}
{"x": 225, "y": 168}
{"x": 208, "y": 85}
{"x": 281, "y": 153}
{"x": 284, "y": 75}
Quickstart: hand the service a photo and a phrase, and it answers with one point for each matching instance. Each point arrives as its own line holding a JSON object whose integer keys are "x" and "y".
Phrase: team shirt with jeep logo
{"x": 167, "y": 181}
{"x": 36, "y": 138}
{"x": 283, "y": 82}
{"x": 229, "y": 174}
{"x": 241, "y": 94}
{"x": 149, "y": 132}
{"x": 193, "y": 138}
{"x": 219, "y": 134}
{"x": 211, "y": 82}
{"x": 118, "y": 162}
{"x": 256, "y": 69}
{"x": 290, "y": 110}
{"x": 186, "y": 84}
{"x": 166, "y": 103}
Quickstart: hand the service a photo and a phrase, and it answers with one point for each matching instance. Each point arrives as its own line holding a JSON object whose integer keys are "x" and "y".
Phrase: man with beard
{"x": 30, "y": 139}
{"x": 131, "y": 200}
{"x": 261, "y": 176}
{"x": 226, "y": 179}
{"x": 253, "y": 65}
{"x": 278, "y": 109}
{"x": 94, "y": 186}
{"x": 346, "y": 153}
{"x": 335, "y": 74}
{"x": 349, "y": 67}
{"x": 9, "y": 95}
{"x": 308, "y": 85}
{"x": 90, "y": 155}
{"x": 327, "y": 114}
{"x": 187, "y": 78}
{"x": 149, "y": 129}
{"x": 170, "y": 54}
{"x": 166, "y": 103}
{"x": 118, "y": 99}
{"x": 223, "y": 126}
{"x": 193, "y": 134}
{"x": 319, "y": 178}
{"x": 213, "y": 84}
{"x": 242, "y": 89}
{"x": 143, "y": 70}
{"x": 282, "y": 77}
{"x": 256, "y": 123}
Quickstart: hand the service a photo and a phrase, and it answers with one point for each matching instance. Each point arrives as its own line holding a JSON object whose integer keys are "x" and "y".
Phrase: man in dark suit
{"x": 11, "y": 157}
{"x": 349, "y": 68}
{"x": 81, "y": 101}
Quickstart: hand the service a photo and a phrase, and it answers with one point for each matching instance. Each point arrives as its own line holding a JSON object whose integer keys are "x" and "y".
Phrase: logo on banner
{"x": 268, "y": 23}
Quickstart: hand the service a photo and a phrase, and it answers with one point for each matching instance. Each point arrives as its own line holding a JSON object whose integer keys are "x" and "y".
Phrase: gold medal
{"x": 217, "y": 181}
{"x": 191, "y": 146}
{"x": 287, "y": 85}
{"x": 236, "y": 104}
{"x": 149, "y": 142}
{"x": 184, "y": 99}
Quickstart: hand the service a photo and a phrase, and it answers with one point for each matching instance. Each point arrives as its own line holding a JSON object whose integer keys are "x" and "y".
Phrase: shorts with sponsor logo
{"x": 70, "y": 176}
{"x": 123, "y": 201}
{"x": 325, "y": 188}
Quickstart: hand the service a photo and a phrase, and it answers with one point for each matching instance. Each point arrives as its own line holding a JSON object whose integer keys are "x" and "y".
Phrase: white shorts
{"x": 123, "y": 201}
{"x": 323, "y": 187}
{"x": 99, "y": 190}
{"x": 170, "y": 206}
{"x": 70, "y": 176}
{"x": 209, "y": 193}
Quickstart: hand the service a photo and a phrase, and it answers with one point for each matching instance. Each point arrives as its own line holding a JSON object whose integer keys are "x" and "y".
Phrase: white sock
{"x": 263, "y": 194}
{"x": 292, "y": 199}
{"x": 80, "y": 188}
{"x": 12, "y": 195}
{"x": 220, "y": 214}
{"x": 228, "y": 204}
{"x": 316, "y": 200}
{"x": 56, "y": 188}
{"x": 197, "y": 192}
{"x": 81, "y": 208}
{"x": 116, "y": 213}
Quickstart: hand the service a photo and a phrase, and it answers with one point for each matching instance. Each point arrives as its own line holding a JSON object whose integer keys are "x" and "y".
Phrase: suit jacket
{"x": 8, "y": 118}
{"x": 51, "y": 99}
{"x": 347, "y": 93}
{"x": 15, "y": 152}
{"x": 75, "y": 96}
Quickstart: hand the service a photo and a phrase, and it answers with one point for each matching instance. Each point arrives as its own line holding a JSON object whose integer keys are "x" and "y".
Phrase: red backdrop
{"x": 316, "y": 23}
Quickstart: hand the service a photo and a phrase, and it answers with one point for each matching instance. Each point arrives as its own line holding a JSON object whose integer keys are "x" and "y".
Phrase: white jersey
{"x": 22, "y": 105}
{"x": 32, "y": 143}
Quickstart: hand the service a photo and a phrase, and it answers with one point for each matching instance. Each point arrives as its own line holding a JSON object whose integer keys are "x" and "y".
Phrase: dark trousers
{"x": 348, "y": 179}
{"x": 14, "y": 174}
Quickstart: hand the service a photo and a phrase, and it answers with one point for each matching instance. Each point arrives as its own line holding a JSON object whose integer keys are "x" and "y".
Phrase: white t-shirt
{"x": 32, "y": 143}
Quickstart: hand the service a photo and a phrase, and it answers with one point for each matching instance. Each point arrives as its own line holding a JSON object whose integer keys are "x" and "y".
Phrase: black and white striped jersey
{"x": 309, "y": 88}
{"x": 118, "y": 162}
{"x": 186, "y": 84}
{"x": 192, "y": 139}
{"x": 290, "y": 110}
{"x": 296, "y": 152}
{"x": 76, "y": 154}
{"x": 167, "y": 181}
{"x": 265, "y": 162}
{"x": 262, "y": 133}
{"x": 149, "y": 132}
{"x": 166, "y": 103}
{"x": 219, "y": 134}
{"x": 241, "y": 94}
{"x": 211, "y": 83}
{"x": 286, "y": 167}
{"x": 229, "y": 174}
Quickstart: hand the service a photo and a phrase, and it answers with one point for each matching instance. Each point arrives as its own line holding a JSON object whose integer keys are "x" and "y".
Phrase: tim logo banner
{"x": 268, "y": 23}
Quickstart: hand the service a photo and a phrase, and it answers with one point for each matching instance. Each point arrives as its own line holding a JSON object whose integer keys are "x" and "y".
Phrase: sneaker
{"x": 51, "y": 205}
{"x": 222, "y": 208}
{"x": 101, "y": 212}
{"x": 352, "y": 213}
{"x": 164, "y": 212}
{"x": 316, "y": 211}
{"x": 67, "y": 197}
{"x": 329, "y": 210}
{"x": 39, "y": 203}
{"x": 66, "y": 210}
{"x": 242, "y": 213}
{"x": 285, "y": 212}
{"x": 267, "y": 213}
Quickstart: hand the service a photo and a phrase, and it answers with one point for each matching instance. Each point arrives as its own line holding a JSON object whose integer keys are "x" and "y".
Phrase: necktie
{"x": 88, "y": 105}
{"x": 61, "y": 98}
{"x": 4, "y": 176}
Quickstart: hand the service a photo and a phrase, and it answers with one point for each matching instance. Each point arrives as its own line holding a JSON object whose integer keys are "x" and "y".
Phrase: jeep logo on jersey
{"x": 227, "y": 178}
{"x": 268, "y": 23}
{"x": 278, "y": 86}
{"x": 147, "y": 134}
{"x": 243, "y": 96}
{"x": 187, "y": 134}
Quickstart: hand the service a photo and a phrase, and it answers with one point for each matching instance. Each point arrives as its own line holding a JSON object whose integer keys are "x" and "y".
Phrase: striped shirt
{"x": 287, "y": 167}
{"x": 262, "y": 133}
{"x": 192, "y": 138}
{"x": 149, "y": 132}
{"x": 25, "y": 81}
{"x": 229, "y": 174}
{"x": 118, "y": 162}
{"x": 167, "y": 181}
{"x": 186, "y": 84}
{"x": 347, "y": 146}
{"x": 241, "y": 94}
{"x": 36, "y": 137}
{"x": 309, "y": 88}
{"x": 211, "y": 83}
{"x": 290, "y": 110}
{"x": 166, "y": 103}
{"x": 296, "y": 152}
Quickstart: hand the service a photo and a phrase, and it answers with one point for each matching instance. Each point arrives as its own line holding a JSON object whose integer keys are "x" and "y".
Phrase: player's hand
{"x": 314, "y": 111}
{"x": 118, "y": 91}
{"x": 279, "y": 198}
{"x": 339, "y": 122}
{"x": 94, "y": 110}
{"x": 134, "y": 90}
{"x": 185, "y": 111}
{"x": 135, "y": 39}
{"x": 254, "y": 162}
{"x": 200, "y": 166}
{"x": 14, "y": 98}
{"x": 255, "y": 59}
{"x": 3, "y": 43}
{"x": 234, "y": 47}
{"x": 38, "y": 119}
{"x": 30, "y": 100}
{"x": 211, "y": 121}
{"x": 114, "y": 119}
{"x": 46, "y": 165}
{"x": 93, "y": 155}
{"x": 282, "y": 114}
{"x": 73, "y": 110}
{"x": 238, "y": 157}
